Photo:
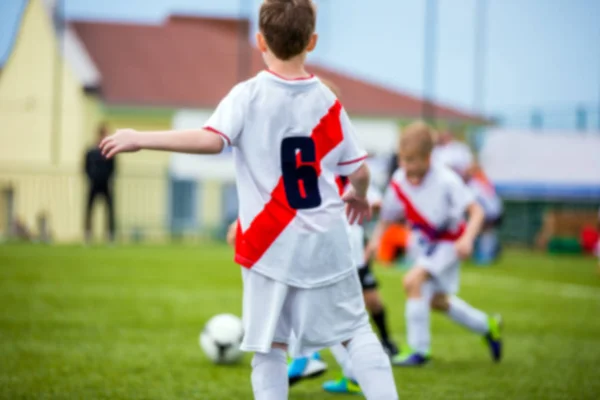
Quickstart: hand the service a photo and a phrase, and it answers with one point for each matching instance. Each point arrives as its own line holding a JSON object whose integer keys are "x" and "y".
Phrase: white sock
{"x": 372, "y": 367}
{"x": 341, "y": 355}
{"x": 417, "y": 325}
{"x": 269, "y": 375}
{"x": 468, "y": 316}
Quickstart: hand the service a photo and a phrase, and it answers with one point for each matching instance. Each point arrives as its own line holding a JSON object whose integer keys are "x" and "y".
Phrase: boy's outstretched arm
{"x": 464, "y": 245}
{"x": 185, "y": 141}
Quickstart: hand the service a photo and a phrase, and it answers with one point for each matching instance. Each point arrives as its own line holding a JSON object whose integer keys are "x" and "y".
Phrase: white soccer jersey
{"x": 455, "y": 155}
{"x": 357, "y": 232}
{"x": 291, "y": 138}
{"x": 434, "y": 209}
{"x": 487, "y": 197}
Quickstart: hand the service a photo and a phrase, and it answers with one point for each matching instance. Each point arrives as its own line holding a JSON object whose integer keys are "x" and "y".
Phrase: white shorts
{"x": 443, "y": 264}
{"x": 357, "y": 244}
{"x": 307, "y": 320}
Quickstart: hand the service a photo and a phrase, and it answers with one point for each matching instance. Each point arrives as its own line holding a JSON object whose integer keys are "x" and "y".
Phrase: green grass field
{"x": 123, "y": 323}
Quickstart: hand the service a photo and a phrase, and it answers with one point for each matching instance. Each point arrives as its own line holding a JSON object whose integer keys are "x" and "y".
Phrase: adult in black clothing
{"x": 100, "y": 173}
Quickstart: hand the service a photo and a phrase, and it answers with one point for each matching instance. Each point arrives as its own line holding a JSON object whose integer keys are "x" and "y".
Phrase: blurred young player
{"x": 452, "y": 153}
{"x": 291, "y": 137}
{"x": 487, "y": 245}
{"x": 433, "y": 199}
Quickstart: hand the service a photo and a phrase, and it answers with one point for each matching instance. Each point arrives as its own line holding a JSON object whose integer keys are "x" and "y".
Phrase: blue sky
{"x": 539, "y": 53}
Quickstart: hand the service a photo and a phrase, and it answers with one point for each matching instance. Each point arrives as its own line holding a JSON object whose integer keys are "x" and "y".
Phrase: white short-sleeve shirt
{"x": 434, "y": 209}
{"x": 454, "y": 155}
{"x": 486, "y": 196}
{"x": 291, "y": 138}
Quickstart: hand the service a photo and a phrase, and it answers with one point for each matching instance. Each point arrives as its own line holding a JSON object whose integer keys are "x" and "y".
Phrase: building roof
{"x": 194, "y": 61}
{"x": 11, "y": 13}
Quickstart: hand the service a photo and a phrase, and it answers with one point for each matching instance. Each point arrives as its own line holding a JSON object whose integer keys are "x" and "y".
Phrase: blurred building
{"x": 58, "y": 80}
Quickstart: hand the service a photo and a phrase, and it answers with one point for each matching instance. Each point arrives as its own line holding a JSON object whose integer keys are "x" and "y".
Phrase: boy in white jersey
{"x": 291, "y": 137}
{"x": 433, "y": 199}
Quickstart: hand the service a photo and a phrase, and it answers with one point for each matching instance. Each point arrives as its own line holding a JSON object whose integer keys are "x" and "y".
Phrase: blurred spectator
{"x": 100, "y": 173}
{"x": 487, "y": 246}
{"x": 44, "y": 231}
{"x": 453, "y": 153}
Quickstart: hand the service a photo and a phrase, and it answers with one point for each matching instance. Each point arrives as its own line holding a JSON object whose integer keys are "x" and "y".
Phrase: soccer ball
{"x": 221, "y": 339}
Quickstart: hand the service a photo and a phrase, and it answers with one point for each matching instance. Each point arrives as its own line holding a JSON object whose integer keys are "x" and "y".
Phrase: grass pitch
{"x": 123, "y": 323}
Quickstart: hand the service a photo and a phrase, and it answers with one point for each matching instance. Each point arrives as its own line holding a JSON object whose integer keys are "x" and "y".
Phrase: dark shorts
{"x": 367, "y": 278}
{"x": 494, "y": 222}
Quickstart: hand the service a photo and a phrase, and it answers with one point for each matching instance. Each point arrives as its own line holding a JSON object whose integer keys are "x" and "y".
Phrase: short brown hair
{"x": 418, "y": 134}
{"x": 287, "y": 26}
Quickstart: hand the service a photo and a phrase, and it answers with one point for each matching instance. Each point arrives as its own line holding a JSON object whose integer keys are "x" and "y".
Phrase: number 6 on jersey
{"x": 300, "y": 178}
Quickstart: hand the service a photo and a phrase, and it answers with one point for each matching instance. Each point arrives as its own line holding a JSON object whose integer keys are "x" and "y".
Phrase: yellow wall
{"x": 41, "y": 154}
{"x": 40, "y": 135}
{"x": 26, "y": 92}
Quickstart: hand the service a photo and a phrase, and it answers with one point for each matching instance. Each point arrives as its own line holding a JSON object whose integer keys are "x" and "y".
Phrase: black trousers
{"x": 105, "y": 191}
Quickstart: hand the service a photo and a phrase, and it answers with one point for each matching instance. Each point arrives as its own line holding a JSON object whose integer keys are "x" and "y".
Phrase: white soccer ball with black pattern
{"x": 221, "y": 339}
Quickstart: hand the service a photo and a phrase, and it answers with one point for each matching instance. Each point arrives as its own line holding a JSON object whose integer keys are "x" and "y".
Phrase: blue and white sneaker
{"x": 306, "y": 368}
{"x": 410, "y": 359}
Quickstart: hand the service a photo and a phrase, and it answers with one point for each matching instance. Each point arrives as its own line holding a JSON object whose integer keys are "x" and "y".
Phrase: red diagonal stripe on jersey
{"x": 342, "y": 183}
{"x": 277, "y": 214}
{"x": 414, "y": 217}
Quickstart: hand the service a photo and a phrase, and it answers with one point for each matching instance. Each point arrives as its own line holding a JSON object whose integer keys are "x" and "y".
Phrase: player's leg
{"x": 266, "y": 333}
{"x": 92, "y": 193}
{"x": 336, "y": 313}
{"x": 269, "y": 380}
{"x": 111, "y": 229}
{"x": 375, "y": 306}
{"x": 473, "y": 319}
{"x": 417, "y": 287}
{"x": 371, "y": 366}
{"x": 347, "y": 383}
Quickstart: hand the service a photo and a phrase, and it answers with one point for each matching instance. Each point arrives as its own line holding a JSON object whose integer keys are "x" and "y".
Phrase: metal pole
{"x": 244, "y": 50}
{"x": 582, "y": 118}
{"x": 481, "y": 16}
{"x": 56, "y": 116}
{"x": 429, "y": 60}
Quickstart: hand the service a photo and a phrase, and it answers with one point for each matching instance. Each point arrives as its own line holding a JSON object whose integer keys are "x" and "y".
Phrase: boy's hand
{"x": 232, "y": 233}
{"x": 123, "y": 141}
{"x": 464, "y": 247}
{"x": 358, "y": 208}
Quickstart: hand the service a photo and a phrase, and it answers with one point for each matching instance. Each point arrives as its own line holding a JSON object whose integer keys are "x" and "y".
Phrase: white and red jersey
{"x": 435, "y": 209}
{"x": 454, "y": 155}
{"x": 357, "y": 232}
{"x": 486, "y": 196}
{"x": 291, "y": 138}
